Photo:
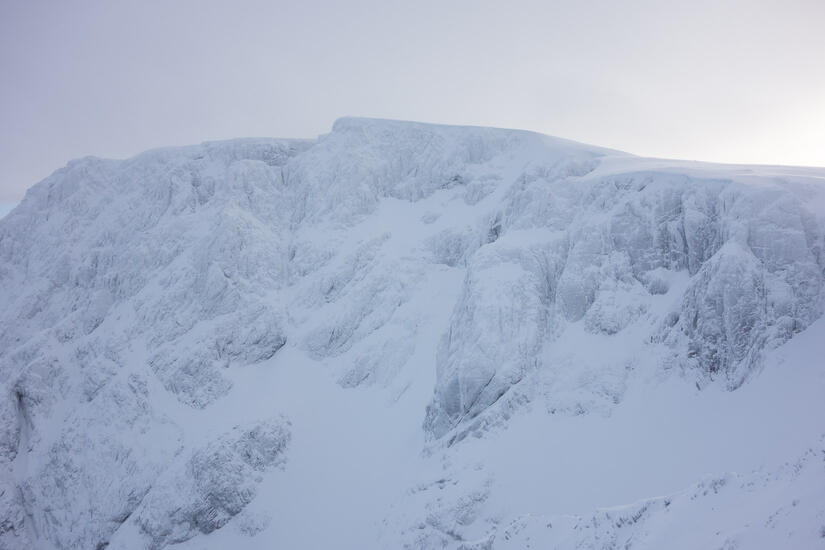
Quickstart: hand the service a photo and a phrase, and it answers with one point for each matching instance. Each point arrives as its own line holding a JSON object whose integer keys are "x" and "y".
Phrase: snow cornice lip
{"x": 366, "y": 124}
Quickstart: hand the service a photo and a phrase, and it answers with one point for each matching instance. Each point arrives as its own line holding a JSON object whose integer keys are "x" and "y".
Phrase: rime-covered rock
{"x": 213, "y": 485}
{"x": 464, "y": 274}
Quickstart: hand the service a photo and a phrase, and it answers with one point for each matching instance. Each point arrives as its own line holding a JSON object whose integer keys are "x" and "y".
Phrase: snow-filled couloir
{"x": 405, "y": 335}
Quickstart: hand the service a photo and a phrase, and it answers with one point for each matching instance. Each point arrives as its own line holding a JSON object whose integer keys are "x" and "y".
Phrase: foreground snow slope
{"x": 404, "y": 335}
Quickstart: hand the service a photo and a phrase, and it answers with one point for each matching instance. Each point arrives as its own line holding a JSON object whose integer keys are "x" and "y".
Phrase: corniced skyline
{"x": 736, "y": 81}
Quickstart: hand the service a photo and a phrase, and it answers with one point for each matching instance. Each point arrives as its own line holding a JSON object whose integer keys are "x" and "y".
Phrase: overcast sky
{"x": 731, "y": 81}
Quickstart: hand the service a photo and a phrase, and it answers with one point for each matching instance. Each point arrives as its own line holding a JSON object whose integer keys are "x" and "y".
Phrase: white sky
{"x": 730, "y": 81}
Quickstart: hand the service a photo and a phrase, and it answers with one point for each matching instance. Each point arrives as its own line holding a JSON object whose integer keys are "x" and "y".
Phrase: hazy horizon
{"x": 738, "y": 83}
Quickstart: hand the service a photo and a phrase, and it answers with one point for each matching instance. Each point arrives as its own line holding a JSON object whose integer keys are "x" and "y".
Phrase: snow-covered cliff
{"x": 409, "y": 335}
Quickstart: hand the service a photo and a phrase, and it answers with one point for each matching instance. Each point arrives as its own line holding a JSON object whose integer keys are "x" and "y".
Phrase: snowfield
{"x": 405, "y": 335}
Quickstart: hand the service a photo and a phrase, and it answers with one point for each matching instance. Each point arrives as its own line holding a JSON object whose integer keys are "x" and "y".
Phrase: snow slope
{"x": 403, "y": 335}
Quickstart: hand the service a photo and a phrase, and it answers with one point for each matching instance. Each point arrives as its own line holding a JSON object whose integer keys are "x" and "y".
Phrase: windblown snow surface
{"x": 403, "y": 335}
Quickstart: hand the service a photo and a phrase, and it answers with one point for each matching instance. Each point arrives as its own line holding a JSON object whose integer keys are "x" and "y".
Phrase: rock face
{"x": 136, "y": 293}
{"x": 602, "y": 249}
{"x": 213, "y": 485}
